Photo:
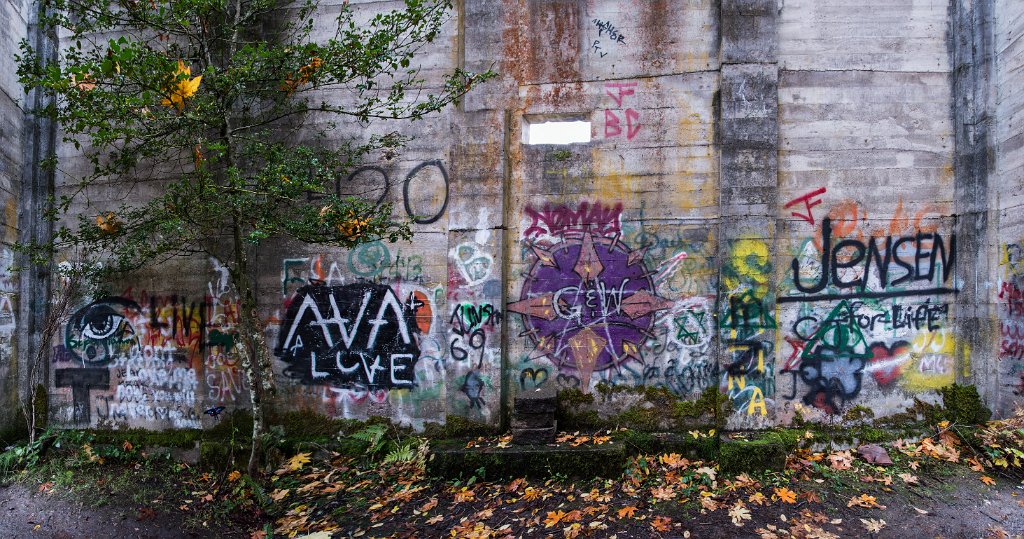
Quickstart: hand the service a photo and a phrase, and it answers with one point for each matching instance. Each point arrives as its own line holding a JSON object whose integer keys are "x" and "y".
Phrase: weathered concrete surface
{"x": 13, "y": 18}
{"x": 1006, "y": 148}
{"x": 809, "y": 205}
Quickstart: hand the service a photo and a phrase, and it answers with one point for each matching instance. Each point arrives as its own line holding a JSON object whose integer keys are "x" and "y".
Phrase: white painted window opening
{"x": 556, "y": 131}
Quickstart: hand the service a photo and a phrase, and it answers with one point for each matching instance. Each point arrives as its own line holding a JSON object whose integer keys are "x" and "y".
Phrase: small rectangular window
{"x": 546, "y": 130}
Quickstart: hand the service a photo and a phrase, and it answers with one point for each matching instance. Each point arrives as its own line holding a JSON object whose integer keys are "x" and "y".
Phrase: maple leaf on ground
{"x": 661, "y": 524}
{"x": 435, "y": 519}
{"x": 908, "y": 478}
{"x": 709, "y": 503}
{"x": 235, "y": 475}
{"x": 673, "y": 460}
{"x": 531, "y": 494}
{"x": 988, "y": 480}
{"x": 865, "y": 501}
{"x": 627, "y": 511}
{"x": 739, "y": 513}
{"x": 872, "y": 525}
{"x": 432, "y": 503}
{"x": 663, "y": 493}
{"x": 279, "y": 494}
{"x": 572, "y": 531}
{"x": 710, "y": 472}
{"x": 785, "y": 495}
{"x": 514, "y": 486}
{"x": 975, "y": 465}
{"x": 757, "y": 498}
{"x": 464, "y": 495}
{"x": 914, "y": 465}
{"x": 553, "y": 518}
{"x": 840, "y": 460}
{"x": 297, "y": 462}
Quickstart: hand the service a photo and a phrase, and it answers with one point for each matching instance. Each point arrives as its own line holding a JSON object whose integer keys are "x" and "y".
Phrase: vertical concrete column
{"x": 975, "y": 315}
{"x": 37, "y": 186}
{"x": 748, "y": 138}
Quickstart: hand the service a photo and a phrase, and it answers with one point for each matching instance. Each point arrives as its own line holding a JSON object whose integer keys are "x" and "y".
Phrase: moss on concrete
{"x": 452, "y": 460}
{"x": 657, "y": 410}
{"x": 757, "y": 451}
{"x": 458, "y": 427}
{"x": 963, "y": 405}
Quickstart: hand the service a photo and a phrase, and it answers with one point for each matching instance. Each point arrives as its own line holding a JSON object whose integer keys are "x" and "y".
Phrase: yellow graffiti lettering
{"x": 757, "y": 401}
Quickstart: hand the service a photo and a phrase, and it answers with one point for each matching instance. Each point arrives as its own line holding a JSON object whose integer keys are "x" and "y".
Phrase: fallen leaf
{"x": 298, "y": 461}
{"x": 234, "y": 475}
{"x": 785, "y": 495}
{"x": 739, "y": 513}
{"x": 757, "y": 498}
{"x": 553, "y": 518}
{"x": 874, "y": 454}
{"x": 435, "y": 519}
{"x": 661, "y": 524}
{"x": 908, "y": 478}
{"x": 987, "y": 480}
{"x": 841, "y": 460}
{"x": 872, "y": 525}
{"x": 627, "y": 511}
{"x": 429, "y": 505}
{"x": 864, "y": 500}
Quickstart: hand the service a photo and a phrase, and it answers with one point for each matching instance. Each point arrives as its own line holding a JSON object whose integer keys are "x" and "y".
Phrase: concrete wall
{"x": 1007, "y": 138}
{"x": 13, "y": 18}
{"x": 789, "y": 201}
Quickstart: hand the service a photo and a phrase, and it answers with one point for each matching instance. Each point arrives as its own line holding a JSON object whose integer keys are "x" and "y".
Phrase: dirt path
{"x": 948, "y": 507}
{"x": 26, "y": 513}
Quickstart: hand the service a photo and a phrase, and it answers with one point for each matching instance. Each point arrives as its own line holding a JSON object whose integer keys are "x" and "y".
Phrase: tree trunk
{"x": 252, "y": 349}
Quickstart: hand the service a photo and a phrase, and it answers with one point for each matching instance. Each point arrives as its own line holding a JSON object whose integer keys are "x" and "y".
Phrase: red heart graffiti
{"x": 882, "y": 364}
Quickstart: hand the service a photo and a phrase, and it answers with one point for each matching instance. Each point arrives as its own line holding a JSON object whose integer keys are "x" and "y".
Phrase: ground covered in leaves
{"x": 938, "y": 485}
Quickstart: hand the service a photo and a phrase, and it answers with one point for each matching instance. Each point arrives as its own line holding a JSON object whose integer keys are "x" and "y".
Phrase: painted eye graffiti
{"x": 102, "y": 325}
{"x": 101, "y": 332}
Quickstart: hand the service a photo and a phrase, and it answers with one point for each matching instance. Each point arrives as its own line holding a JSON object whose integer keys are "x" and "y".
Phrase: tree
{"x": 207, "y": 100}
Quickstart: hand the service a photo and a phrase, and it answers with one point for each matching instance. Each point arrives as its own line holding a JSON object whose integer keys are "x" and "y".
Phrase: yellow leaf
{"x": 553, "y": 518}
{"x": 757, "y": 498}
{"x": 182, "y": 88}
{"x": 298, "y": 461}
{"x": 627, "y": 511}
{"x": 234, "y": 475}
{"x": 108, "y": 223}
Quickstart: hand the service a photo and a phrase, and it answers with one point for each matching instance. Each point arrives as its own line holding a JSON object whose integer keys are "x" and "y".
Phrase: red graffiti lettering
{"x": 562, "y": 220}
{"x": 809, "y": 201}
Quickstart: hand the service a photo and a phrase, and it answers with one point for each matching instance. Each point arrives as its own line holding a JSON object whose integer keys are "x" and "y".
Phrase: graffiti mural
{"x": 867, "y": 310}
{"x": 588, "y": 301}
{"x": 150, "y": 360}
{"x": 359, "y": 334}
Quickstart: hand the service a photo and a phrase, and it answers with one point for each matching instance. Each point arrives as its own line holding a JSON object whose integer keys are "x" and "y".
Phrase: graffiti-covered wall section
{"x": 867, "y": 251}
{"x": 1007, "y": 138}
{"x": 806, "y": 205}
{"x": 402, "y": 330}
{"x": 146, "y": 357}
{"x": 13, "y": 136}
{"x": 612, "y": 274}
